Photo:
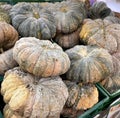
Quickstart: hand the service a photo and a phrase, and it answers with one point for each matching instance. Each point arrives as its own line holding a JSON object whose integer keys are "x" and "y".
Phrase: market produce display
{"x": 53, "y": 55}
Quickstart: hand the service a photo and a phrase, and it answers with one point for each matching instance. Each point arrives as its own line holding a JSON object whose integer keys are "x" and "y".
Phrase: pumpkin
{"x": 112, "y": 83}
{"x": 8, "y": 36}
{"x": 32, "y": 20}
{"x": 6, "y": 61}
{"x": 101, "y": 33}
{"x": 4, "y": 16}
{"x": 69, "y": 16}
{"x": 33, "y": 97}
{"x": 81, "y": 97}
{"x": 68, "y": 40}
{"x": 113, "y": 19}
{"x": 89, "y": 64}
{"x": 40, "y": 57}
{"x": 6, "y": 7}
{"x": 99, "y": 10}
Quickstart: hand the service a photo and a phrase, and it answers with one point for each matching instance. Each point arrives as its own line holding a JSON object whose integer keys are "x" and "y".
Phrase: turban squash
{"x": 8, "y": 36}
{"x": 89, "y": 64}
{"x": 40, "y": 57}
{"x": 33, "y": 97}
{"x": 102, "y": 33}
{"x": 6, "y": 61}
{"x": 32, "y": 20}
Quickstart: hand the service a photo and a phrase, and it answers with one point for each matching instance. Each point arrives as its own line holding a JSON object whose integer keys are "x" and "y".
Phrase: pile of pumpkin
{"x": 52, "y": 54}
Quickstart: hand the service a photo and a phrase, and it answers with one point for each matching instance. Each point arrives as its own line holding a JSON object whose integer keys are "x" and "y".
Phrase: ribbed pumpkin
{"x": 32, "y": 20}
{"x": 68, "y": 40}
{"x": 81, "y": 97}
{"x": 32, "y": 97}
{"x": 99, "y": 10}
{"x": 113, "y": 19}
{"x": 6, "y": 61}
{"x": 40, "y": 57}
{"x": 89, "y": 64}
{"x": 112, "y": 83}
{"x": 102, "y": 33}
{"x": 8, "y": 36}
{"x": 4, "y": 16}
{"x": 69, "y": 16}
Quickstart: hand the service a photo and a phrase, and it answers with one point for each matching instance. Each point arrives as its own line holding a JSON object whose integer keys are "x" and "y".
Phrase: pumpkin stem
{"x": 36, "y": 15}
{"x": 1, "y": 50}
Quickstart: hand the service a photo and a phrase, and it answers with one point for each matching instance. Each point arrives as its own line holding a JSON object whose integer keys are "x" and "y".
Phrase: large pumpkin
{"x": 89, "y": 64}
{"x": 32, "y": 20}
{"x": 69, "y": 16}
{"x": 102, "y": 33}
{"x": 113, "y": 19}
{"x": 99, "y": 10}
{"x": 6, "y": 61}
{"x": 41, "y": 57}
{"x": 32, "y": 97}
{"x": 68, "y": 40}
{"x": 8, "y": 36}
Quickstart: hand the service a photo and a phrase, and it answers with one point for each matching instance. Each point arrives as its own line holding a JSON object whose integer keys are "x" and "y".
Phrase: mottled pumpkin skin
{"x": 6, "y": 61}
{"x": 8, "y": 36}
{"x": 81, "y": 97}
{"x": 68, "y": 40}
{"x": 69, "y": 16}
{"x": 32, "y": 20}
{"x": 41, "y": 57}
{"x": 89, "y": 64}
{"x": 113, "y": 19}
{"x": 4, "y": 16}
{"x": 102, "y": 33}
{"x": 99, "y": 10}
{"x": 112, "y": 83}
{"x": 32, "y": 97}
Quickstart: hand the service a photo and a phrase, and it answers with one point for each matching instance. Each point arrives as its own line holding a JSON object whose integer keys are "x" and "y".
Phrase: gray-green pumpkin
{"x": 89, "y": 64}
{"x": 32, "y": 20}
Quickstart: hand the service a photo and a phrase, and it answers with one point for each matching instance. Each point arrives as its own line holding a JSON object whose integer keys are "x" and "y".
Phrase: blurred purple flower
{"x": 91, "y": 2}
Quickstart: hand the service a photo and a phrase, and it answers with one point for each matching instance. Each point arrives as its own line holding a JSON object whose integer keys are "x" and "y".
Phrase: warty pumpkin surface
{"x": 8, "y": 36}
{"x": 89, "y": 64}
{"x": 32, "y": 97}
{"x": 101, "y": 33}
{"x": 6, "y": 61}
{"x": 81, "y": 97}
{"x": 113, "y": 19}
{"x": 69, "y": 16}
{"x": 41, "y": 57}
{"x": 68, "y": 40}
{"x": 33, "y": 20}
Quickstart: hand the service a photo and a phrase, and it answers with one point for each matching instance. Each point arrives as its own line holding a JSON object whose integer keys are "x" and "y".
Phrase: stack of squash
{"x": 52, "y": 54}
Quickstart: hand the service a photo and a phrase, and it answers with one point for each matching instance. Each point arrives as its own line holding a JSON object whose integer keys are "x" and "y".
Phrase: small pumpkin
{"x": 112, "y": 83}
{"x": 89, "y": 64}
{"x": 99, "y": 10}
{"x": 68, "y": 40}
{"x": 31, "y": 20}
{"x": 101, "y": 33}
{"x": 6, "y": 61}
{"x": 81, "y": 97}
{"x": 8, "y": 36}
{"x": 40, "y": 57}
{"x": 69, "y": 16}
{"x": 30, "y": 96}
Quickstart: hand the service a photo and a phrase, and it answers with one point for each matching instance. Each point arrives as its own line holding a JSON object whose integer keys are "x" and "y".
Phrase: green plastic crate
{"x": 104, "y": 101}
{"x": 111, "y": 95}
